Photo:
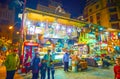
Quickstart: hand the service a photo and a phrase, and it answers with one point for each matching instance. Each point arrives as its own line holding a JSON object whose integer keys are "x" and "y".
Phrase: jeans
{"x": 43, "y": 74}
{"x": 35, "y": 76}
{"x": 53, "y": 72}
{"x": 10, "y": 74}
{"x": 65, "y": 66}
{"x": 48, "y": 72}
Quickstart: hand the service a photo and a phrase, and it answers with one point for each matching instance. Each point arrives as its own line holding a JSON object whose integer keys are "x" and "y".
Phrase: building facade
{"x": 103, "y": 12}
{"x": 6, "y": 20}
{"x": 54, "y": 8}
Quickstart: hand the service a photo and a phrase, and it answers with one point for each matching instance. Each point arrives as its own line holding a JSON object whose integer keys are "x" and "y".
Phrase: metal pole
{"x": 24, "y": 6}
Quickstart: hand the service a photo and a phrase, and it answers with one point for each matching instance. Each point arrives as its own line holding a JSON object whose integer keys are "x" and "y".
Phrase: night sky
{"x": 75, "y": 7}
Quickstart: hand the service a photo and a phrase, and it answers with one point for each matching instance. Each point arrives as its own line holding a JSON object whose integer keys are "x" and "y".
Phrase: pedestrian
{"x": 12, "y": 63}
{"x": 117, "y": 68}
{"x": 35, "y": 66}
{"x": 48, "y": 58}
{"x": 52, "y": 69}
{"x": 33, "y": 53}
{"x": 66, "y": 60}
{"x": 27, "y": 60}
{"x": 43, "y": 69}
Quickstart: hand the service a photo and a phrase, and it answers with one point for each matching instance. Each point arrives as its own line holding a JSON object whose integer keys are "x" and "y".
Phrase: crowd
{"x": 38, "y": 65}
{"x": 44, "y": 66}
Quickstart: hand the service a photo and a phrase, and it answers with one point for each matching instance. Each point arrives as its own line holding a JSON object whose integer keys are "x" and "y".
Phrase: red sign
{"x": 30, "y": 44}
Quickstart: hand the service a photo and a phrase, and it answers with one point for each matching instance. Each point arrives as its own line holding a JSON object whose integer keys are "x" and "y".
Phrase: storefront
{"x": 50, "y": 31}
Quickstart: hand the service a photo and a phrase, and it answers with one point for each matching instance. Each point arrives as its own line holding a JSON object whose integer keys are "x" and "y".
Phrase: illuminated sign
{"x": 30, "y": 44}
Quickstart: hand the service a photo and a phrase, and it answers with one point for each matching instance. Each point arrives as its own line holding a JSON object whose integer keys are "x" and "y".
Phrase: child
{"x": 52, "y": 69}
{"x": 43, "y": 69}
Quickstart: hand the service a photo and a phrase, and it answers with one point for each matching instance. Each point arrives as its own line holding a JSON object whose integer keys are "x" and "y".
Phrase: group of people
{"x": 45, "y": 65}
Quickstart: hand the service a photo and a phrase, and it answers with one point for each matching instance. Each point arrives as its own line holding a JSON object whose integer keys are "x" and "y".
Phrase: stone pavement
{"x": 3, "y": 73}
{"x": 90, "y": 73}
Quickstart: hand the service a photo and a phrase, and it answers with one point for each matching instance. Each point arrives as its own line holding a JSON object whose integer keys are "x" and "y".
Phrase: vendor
{"x": 75, "y": 60}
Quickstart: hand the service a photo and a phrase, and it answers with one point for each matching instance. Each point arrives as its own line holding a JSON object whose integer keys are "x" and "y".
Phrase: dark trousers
{"x": 65, "y": 66}
{"x": 48, "y": 72}
{"x": 53, "y": 72}
{"x": 34, "y": 75}
{"x": 26, "y": 69}
{"x": 10, "y": 74}
{"x": 43, "y": 74}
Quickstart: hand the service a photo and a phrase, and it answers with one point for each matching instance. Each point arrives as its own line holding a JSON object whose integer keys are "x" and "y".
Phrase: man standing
{"x": 48, "y": 59}
{"x": 35, "y": 66}
{"x": 12, "y": 63}
{"x": 66, "y": 60}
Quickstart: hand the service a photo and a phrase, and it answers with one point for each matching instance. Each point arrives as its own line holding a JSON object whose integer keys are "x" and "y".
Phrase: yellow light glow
{"x": 17, "y": 32}
{"x": 44, "y": 18}
{"x": 11, "y": 27}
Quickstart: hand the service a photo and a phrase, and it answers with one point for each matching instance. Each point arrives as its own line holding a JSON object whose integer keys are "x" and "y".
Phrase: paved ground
{"x": 3, "y": 73}
{"x": 90, "y": 73}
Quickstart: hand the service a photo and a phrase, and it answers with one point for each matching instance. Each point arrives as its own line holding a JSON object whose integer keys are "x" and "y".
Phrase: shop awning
{"x": 43, "y": 17}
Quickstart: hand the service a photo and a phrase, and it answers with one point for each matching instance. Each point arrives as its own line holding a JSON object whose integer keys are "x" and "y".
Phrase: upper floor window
{"x": 0, "y": 30}
{"x": 113, "y": 17}
{"x": 97, "y": 6}
{"x": 115, "y": 26}
{"x": 111, "y": 1}
{"x": 112, "y": 9}
{"x": 90, "y": 10}
{"x": 98, "y": 16}
{"x": 91, "y": 18}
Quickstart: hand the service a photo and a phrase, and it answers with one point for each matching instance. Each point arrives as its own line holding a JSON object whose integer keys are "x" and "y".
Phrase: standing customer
{"x": 12, "y": 63}
{"x": 48, "y": 58}
{"x": 117, "y": 69}
{"x": 35, "y": 64}
{"x": 52, "y": 69}
{"x": 43, "y": 69}
{"x": 66, "y": 61}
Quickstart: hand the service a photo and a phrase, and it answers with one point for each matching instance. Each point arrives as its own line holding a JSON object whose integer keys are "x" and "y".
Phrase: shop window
{"x": 113, "y": 17}
{"x": 115, "y": 26}
{"x": 112, "y": 9}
